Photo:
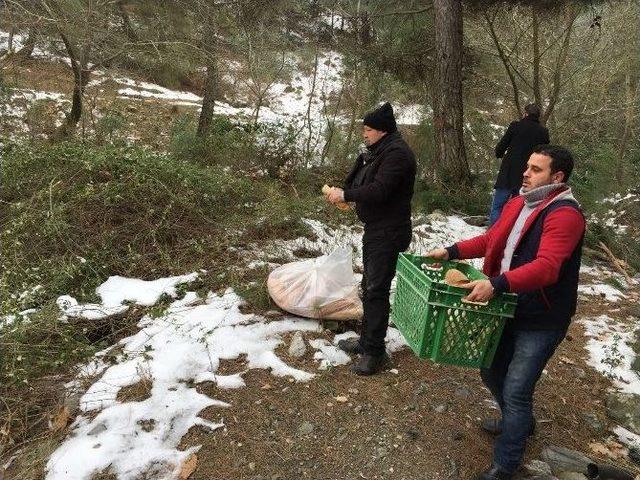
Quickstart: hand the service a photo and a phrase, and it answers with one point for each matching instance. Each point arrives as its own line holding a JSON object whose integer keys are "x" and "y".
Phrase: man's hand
{"x": 438, "y": 254}
{"x": 481, "y": 290}
{"x": 335, "y": 195}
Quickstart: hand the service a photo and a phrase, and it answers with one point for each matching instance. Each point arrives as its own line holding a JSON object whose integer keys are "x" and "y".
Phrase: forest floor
{"x": 418, "y": 420}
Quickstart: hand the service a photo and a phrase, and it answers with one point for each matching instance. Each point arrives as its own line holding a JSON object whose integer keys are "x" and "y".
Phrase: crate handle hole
{"x": 435, "y": 267}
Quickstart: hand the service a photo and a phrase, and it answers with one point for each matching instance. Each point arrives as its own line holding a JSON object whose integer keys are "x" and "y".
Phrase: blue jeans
{"x": 520, "y": 358}
{"x": 500, "y": 197}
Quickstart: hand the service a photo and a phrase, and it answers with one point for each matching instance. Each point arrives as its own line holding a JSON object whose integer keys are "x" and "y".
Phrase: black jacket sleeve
{"x": 504, "y": 142}
{"x": 389, "y": 176}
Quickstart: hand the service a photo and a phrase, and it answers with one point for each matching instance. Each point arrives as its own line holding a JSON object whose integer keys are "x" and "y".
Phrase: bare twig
{"x": 405, "y": 12}
{"x": 505, "y": 61}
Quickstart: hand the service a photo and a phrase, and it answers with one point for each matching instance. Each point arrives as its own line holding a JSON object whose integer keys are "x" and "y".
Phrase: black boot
{"x": 370, "y": 364}
{"x": 494, "y": 426}
{"x": 494, "y": 473}
{"x": 351, "y": 346}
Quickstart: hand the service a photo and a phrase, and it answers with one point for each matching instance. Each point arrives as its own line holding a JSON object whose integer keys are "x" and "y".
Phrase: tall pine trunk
{"x": 211, "y": 83}
{"x": 450, "y": 156}
{"x": 208, "y": 100}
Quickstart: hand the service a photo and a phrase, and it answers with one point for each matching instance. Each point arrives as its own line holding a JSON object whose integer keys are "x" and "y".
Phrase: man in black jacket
{"x": 381, "y": 185}
{"x": 518, "y": 142}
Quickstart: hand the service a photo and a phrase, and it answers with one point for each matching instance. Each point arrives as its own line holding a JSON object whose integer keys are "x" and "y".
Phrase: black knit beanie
{"x": 381, "y": 119}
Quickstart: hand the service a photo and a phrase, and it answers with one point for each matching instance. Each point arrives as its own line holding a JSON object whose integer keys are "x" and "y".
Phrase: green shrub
{"x": 593, "y": 177}
{"x": 170, "y": 70}
{"x": 474, "y": 200}
{"x": 74, "y": 214}
{"x": 110, "y": 126}
{"x": 265, "y": 148}
{"x": 40, "y": 118}
{"x": 59, "y": 344}
{"x": 5, "y": 89}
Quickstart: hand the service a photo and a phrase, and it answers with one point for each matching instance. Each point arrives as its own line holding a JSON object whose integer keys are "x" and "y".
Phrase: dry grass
{"x": 137, "y": 392}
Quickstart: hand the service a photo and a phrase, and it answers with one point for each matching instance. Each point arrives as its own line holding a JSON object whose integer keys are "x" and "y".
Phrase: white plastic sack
{"x": 323, "y": 287}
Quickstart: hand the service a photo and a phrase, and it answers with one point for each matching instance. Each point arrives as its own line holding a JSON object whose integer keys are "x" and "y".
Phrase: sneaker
{"x": 351, "y": 346}
{"x": 370, "y": 364}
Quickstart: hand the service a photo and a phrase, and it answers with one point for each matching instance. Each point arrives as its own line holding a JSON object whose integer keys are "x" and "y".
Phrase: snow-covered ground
{"x": 303, "y": 103}
{"x": 18, "y": 102}
{"x": 609, "y": 293}
{"x": 431, "y": 231}
{"x": 611, "y": 338}
{"x": 183, "y": 347}
{"x": 627, "y": 438}
{"x": 610, "y": 350}
{"x": 19, "y": 41}
{"x": 147, "y": 90}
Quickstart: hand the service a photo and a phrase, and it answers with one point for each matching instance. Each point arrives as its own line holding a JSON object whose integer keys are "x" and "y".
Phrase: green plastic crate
{"x": 434, "y": 320}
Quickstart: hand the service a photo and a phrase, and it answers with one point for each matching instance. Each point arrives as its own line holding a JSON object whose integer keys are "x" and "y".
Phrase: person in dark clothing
{"x": 515, "y": 146}
{"x": 381, "y": 185}
{"x": 534, "y": 250}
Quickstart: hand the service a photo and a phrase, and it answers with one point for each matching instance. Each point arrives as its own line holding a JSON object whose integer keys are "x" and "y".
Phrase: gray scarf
{"x": 532, "y": 198}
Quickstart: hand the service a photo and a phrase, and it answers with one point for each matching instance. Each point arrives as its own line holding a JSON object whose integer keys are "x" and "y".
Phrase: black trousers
{"x": 380, "y": 249}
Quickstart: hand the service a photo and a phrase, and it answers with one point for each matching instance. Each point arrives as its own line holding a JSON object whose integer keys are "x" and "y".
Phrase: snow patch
{"x": 411, "y": 114}
{"x": 609, "y": 293}
{"x": 630, "y": 439}
{"x": 187, "y": 344}
{"x": 617, "y": 198}
{"x": 7, "y": 320}
{"x": 90, "y": 311}
{"x": 328, "y": 354}
{"x": 117, "y": 289}
{"x": 395, "y": 341}
{"x": 610, "y": 350}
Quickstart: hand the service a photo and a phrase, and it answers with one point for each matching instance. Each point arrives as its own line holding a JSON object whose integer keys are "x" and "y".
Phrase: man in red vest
{"x": 533, "y": 250}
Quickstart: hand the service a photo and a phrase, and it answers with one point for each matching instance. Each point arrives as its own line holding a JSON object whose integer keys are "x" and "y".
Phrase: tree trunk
{"x": 208, "y": 100}
{"x": 211, "y": 82}
{"x": 346, "y": 149}
{"x": 450, "y": 157}
{"x": 307, "y": 150}
{"x": 631, "y": 94}
{"x": 126, "y": 22}
{"x": 80, "y": 79}
{"x": 536, "y": 58}
{"x": 366, "y": 34}
{"x": 10, "y": 41}
{"x": 571, "y": 14}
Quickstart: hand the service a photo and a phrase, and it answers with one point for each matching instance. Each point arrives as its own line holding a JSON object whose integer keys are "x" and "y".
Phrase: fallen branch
{"x": 617, "y": 264}
{"x": 597, "y": 254}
